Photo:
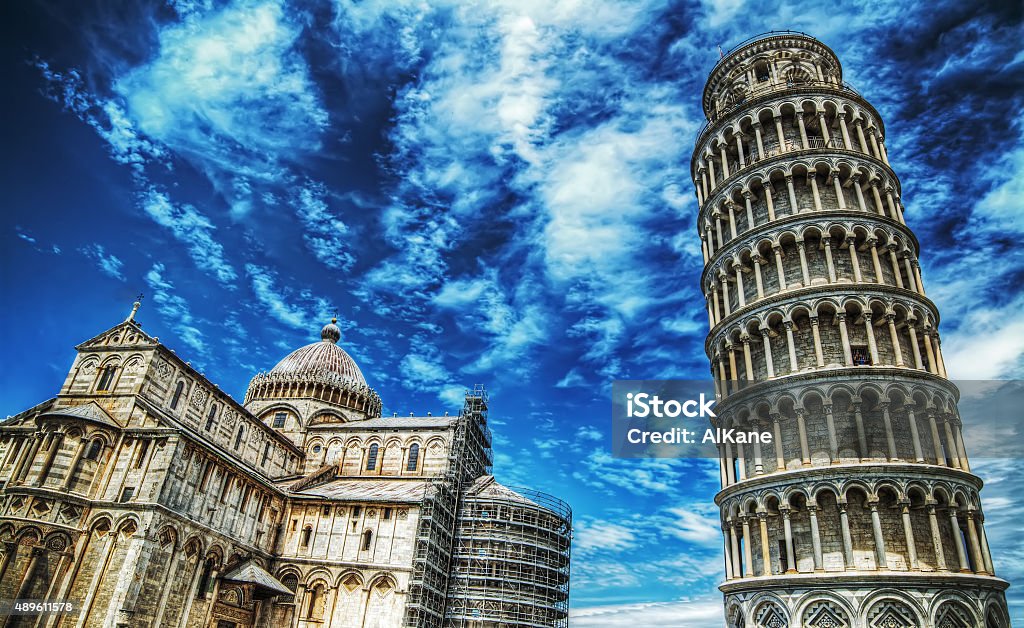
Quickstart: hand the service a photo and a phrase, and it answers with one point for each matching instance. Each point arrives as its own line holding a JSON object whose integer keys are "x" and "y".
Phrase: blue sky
{"x": 487, "y": 192}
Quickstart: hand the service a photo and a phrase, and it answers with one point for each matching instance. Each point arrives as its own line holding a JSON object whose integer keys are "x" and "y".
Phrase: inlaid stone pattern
{"x": 863, "y": 511}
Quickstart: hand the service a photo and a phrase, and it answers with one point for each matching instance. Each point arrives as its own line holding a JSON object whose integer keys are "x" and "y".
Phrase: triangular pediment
{"x": 90, "y": 411}
{"x": 123, "y": 335}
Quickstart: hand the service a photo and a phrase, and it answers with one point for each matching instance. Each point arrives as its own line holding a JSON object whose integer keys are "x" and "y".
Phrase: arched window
{"x": 238, "y": 436}
{"x": 414, "y": 457}
{"x": 371, "y": 458}
{"x": 211, "y": 418}
{"x": 95, "y": 449}
{"x": 140, "y": 456}
{"x": 291, "y": 581}
{"x": 107, "y": 377}
{"x": 225, "y": 488}
{"x": 204, "y": 580}
{"x": 306, "y": 533}
{"x": 367, "y": 539}
{"x": 180, "y": 388}
{"x": 315, "y": 610}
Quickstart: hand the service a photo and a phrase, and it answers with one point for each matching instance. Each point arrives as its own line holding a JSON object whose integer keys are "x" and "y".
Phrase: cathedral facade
{"x": 863, "y": 512}
{"x": 145, "y": 496}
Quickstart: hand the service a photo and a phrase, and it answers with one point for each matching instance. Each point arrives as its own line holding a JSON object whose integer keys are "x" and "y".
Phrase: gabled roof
{"x": 485, "y": 486}
{"x": 369, "y": 490}
{"x": 90, "y": 411}
{"x": 135, "y": 337}
{"x": 250, "y": 573}
{"x": 389, "y": 422}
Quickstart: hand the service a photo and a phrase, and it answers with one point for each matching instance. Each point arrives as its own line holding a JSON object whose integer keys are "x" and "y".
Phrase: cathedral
{"x": 863, "y": 512}
{"x": 145, "y": 496}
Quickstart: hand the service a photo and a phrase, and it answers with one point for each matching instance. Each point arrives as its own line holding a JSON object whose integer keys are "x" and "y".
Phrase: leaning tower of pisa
{"x": 863, "y": 512}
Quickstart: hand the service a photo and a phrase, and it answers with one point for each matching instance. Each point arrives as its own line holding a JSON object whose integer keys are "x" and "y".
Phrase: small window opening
{"x": 95, "y": 449}
{"x": 414, "y": 457}
{"x": 107, "y": 378}
{"x": 141, "y": 456}
{"x": 178, "y": 390}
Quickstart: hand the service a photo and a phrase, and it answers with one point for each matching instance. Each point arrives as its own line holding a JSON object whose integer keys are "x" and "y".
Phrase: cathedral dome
{"x": 322, "y": 371}
{"x": 321, "y": 358}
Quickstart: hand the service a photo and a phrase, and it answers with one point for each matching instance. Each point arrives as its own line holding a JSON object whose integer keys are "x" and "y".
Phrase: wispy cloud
{"x": 423, "y": 369}
{"x": 603, "y": 535}
{"x": 692, "y": 613}
{"x": 229, "y": 92}
{"x": 109, "y": 263}
{"x": 641, "y": 476}
{"x": 175, "y": 310}
{"x": 105, "y": 116}
{"x": 25, "y": 236}
{"x": 697, "y": 524}
{"x": 194, "y": 230}
{"x": 325, "y": 234}
{"x": 296, "y": 309}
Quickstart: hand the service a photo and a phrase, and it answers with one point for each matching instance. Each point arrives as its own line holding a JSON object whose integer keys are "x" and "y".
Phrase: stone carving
{"x": 825, "y": 614}
{"x": 771, "y": 616}
{"x": 56, "y": 543}
{"x": 199, "y": 396}
{"x": 891, "y": 614}
{"x": 162, "y": 370}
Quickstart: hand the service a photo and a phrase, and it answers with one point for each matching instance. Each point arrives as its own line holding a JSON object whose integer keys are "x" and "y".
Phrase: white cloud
{"x": 194, "y": 230}
{"x": 106, "y": 117}
{"x": 175, "y": 309}
{"x": 109, "y": 263}
{"x": 697, "y": 524}
{"x": 496, "y": 129}
{"x": 228, "y": 91}
{"x": 325, "y": 234}
{"x": 25, "y": 236}
{"x": 590, "y": 536}
{"x": 639, "y": 476}
{"x": 986, "y": 340}
{"x": 423, "y": 369}
{"x": 721, "y": 11}
{"x": 511, "y": 321}
{"x": 298, "y": 310}
{"x": 694, "y": 613}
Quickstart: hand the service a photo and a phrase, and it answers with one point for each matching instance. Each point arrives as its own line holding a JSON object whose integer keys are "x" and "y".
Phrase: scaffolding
{"x": 510, "y": 566}
{"x": 469, "y": 457}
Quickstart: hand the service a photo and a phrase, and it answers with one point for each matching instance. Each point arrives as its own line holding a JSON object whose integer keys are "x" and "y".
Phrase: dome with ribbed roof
{"x": 320, "y": 358}
{"x": 322, "y": 371}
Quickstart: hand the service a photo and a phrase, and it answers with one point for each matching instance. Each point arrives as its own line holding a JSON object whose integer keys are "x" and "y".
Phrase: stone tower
{"x": 864, "y": 510}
